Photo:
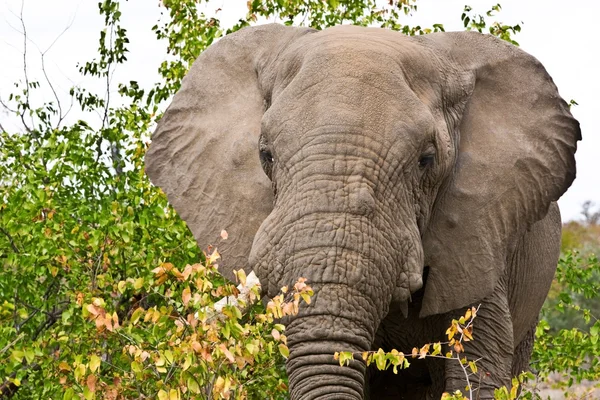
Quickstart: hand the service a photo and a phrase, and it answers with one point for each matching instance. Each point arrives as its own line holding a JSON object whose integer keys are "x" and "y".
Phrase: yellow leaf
{"x": 306, "y": 298}
{"x": 468, "y": 314}
{"x": 174, "y": 394}
{"x": 138, "y": 284}
{"x": 283, "y": 349}
{"x": 63, "y": 366}
{"x": 514, "y": 391}
{"x": 169, "y": 356}
{"x": 473, "y": 366}
{"x": 136, "y": 315}
{"x": 437, "y": 349}
{"x": 115, "y": 319}
{"x": 214, "y": 257}
{"x": 94, "y": 363}
{"x": 162, "y": 395}
{"x": 178, "y": 274}
{"x": 241, "y": 275}
{"x": 468, "y": 332}
{"x": 219, "y": 384}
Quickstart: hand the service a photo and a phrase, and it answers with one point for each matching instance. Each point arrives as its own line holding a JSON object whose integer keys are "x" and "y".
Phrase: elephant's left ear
{"x": 516, "y": 155}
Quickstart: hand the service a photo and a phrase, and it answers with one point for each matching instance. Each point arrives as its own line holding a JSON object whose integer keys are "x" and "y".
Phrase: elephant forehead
{"x": 356, "y": 78}
{"x": 379, "y": 59}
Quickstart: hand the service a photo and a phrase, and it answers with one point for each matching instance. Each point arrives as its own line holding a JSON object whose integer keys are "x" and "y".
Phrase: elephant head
{"x": 356, "y": 157}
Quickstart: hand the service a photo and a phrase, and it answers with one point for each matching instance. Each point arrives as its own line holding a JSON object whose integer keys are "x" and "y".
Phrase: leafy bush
{"x": 571, "y": 348}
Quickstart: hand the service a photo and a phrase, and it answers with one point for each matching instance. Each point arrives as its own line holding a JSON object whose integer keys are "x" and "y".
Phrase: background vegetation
{"x": 103, "y": 290}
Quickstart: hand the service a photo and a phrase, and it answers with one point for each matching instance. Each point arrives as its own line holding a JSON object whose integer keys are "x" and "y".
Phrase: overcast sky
{"x": 560, "y": 34}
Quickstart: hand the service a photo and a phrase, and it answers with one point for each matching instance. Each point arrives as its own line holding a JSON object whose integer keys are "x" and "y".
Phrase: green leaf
{"x": 69, "y": 394}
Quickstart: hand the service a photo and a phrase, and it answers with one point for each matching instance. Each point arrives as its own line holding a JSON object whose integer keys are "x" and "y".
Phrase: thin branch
{"x": 108, "y": 76}
{"x": 24, "y": 51}
{"x": 6, "y": 107}
{"x": 60, "y": 34}
{"x": 61, "y": 116}
{"x": 8, "y": 346}
{"x": 10, "y": 238}
{"x": 50, "y": 320}
{"x": 60, "y": 112}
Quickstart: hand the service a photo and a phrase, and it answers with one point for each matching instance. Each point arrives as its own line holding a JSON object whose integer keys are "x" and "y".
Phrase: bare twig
{"x": 6, "y": 107}
{"x": 61, "y": 116}
{"x": 27, "y": 128}
{"x": 24, "y": 49}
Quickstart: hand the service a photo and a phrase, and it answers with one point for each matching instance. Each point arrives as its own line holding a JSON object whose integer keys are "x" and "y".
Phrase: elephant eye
{"x": 266, "y": 156}
{"x": 426, "y": 160}
{"x": 266, "y": 161}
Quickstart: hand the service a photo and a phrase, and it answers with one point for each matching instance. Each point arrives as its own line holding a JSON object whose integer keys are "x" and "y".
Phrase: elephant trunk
{"x": 321, "y": 330}
{"x": 345, "y": 251}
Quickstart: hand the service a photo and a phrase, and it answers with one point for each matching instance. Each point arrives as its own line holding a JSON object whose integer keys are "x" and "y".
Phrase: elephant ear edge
{"x": 516, "y": 155}
{"x": 204, "y": 151}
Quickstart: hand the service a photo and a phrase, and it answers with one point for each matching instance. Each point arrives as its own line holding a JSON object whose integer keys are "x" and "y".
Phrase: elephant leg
{"x": 492, "y": 347}
{"x": 523, "y": 353}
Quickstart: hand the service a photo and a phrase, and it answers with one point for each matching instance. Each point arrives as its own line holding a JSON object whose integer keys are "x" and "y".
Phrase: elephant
{"x": 406, "y": 178}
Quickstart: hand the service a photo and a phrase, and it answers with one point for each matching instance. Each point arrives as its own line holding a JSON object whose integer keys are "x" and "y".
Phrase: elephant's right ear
{"x": 204, "y": 152}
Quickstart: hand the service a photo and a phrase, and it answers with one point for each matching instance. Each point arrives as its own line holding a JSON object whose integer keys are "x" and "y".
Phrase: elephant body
{"x": 407, "y": 178}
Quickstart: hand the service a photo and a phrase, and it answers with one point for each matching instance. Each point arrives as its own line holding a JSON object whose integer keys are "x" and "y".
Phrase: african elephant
{"x": 405, "y": 177}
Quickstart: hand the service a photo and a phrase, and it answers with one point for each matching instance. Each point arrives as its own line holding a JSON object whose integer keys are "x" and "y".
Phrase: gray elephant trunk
{"x": 345, "y": 253}
{"x": 340, "y": 319}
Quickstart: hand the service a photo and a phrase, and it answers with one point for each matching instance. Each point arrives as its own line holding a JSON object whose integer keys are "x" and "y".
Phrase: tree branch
{"x": 10, "y": 238}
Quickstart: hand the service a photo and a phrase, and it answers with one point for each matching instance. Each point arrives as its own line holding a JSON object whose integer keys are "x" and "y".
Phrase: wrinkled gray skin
{"x": 405, "y": 177}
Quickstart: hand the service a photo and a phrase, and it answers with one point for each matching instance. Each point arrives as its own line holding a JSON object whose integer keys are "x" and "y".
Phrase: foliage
{"x": 90, "y": 298}
{"x": 460, "y": 331}
{"x": 478, "y": 22}
{"x": 573, "y": 349}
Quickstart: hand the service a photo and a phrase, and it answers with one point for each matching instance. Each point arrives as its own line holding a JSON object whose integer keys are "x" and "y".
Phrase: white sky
{"x": 560, "y": 34}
